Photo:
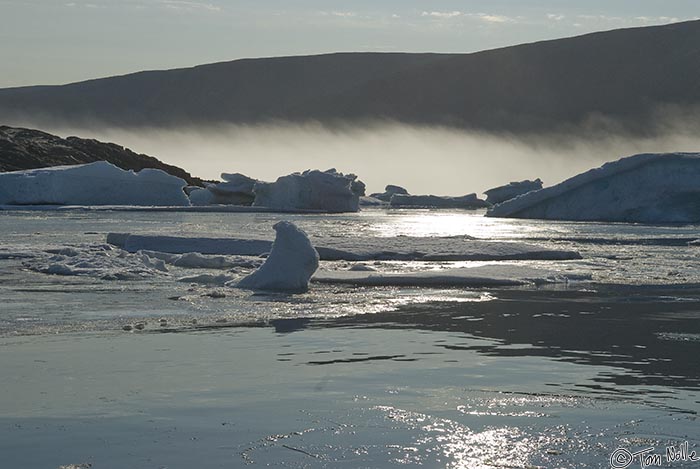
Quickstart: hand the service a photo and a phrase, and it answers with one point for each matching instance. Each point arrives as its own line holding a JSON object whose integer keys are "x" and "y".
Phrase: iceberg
{"x": 237, "y": 189}
{"x": 98, "y": 183}
{"x": 469, "y": 201}
{"x": 326, "y": 191}
{"x": 511, "y": 190}
{"x": 290, "y": 265}
{"x": 389, "y": 191}
{"x": 646, "y": 188}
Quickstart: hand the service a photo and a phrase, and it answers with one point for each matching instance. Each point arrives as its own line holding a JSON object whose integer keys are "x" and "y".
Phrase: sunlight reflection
{"x": 465, "y": 448}
{"x": 423, "y": 223}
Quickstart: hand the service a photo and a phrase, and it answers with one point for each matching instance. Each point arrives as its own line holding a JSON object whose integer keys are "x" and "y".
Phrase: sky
{"x": 62, "y": 41}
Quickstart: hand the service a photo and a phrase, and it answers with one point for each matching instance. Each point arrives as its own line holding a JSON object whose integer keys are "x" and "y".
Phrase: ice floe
{"x": 98, "y": 183}
{"x": 98, "y": 261}
{"x": 183, "y": 245}
{"x": 483, "y": 276}
{"x": 647, "y": 188}
{"x": 404, "y": 248}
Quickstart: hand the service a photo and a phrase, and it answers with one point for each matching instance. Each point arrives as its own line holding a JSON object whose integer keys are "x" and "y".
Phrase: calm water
{"x": 349, "y": 377}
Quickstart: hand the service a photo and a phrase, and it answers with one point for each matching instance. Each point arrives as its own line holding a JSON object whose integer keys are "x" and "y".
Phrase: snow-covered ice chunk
{"x": 98, "y": 183}
{"x": 647, "y": 188}
{"x": 469, "y": 201}
{"x": 97, "y": 261}
{"x": 195, "y": 260}
{"x": 511, "y": 190}
{"x": 290, "y": 265}
{"x": 327, "y": 191}
{"x": 483, "y": 276}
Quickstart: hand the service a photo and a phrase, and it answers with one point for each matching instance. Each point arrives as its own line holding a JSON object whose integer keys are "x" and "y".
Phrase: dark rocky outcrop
{"x": 30, "y": 149}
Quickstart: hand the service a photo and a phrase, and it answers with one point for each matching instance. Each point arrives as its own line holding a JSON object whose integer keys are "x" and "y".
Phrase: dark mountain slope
{"x": 248, "y": 90}
{"x": 28, "y": 149}
{"x": 624, "y": 75}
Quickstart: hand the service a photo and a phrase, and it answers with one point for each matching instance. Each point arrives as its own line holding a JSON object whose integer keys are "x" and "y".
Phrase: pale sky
{"x": 61, "y": 41}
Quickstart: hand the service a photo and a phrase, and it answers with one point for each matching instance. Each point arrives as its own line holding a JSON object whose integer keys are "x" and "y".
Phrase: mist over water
{"x": 433, "y": 160}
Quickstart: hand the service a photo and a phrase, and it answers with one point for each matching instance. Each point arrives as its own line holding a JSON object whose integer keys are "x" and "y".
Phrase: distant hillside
{"x": 28, "y": 149}
{"x": 623, "y": 75}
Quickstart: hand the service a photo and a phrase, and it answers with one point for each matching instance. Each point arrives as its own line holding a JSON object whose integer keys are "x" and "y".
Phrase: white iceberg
{"x": 647, "y": 188}
{"x": 325, "y": 191}
{"x": 511, "y": 190}
{"x": 469, "y": 201}
{"x": 98, "y": 183}
{"x": 290, "y": 265}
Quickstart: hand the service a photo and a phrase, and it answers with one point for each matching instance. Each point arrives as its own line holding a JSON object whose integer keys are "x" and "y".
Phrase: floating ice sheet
{"x": 483, "y": 276}
{"x": 454, "y": 248}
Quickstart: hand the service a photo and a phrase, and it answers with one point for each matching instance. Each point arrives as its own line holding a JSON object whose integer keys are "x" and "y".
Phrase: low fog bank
{"x": 423, "y": 159}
